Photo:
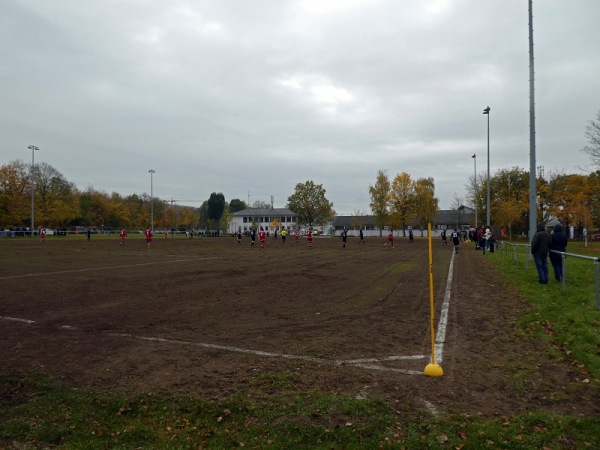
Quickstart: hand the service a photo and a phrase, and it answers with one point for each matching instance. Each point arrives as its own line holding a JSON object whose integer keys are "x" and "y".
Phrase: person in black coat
{"x": 540, "y": 245}
{"x": 559, "y": 244}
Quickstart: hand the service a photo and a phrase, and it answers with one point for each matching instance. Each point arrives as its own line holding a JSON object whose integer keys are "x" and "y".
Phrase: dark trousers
{"x": 541, "y": 264}
{"x": 556, "y": 261}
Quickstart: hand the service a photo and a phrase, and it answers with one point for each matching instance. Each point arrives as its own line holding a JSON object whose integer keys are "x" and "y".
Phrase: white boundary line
{"x": 361, "y": 363}
{"x": 440, "y": 336}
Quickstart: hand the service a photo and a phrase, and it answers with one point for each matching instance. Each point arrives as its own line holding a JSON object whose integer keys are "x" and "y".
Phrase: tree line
{"x": 59, "y": 203}
{"x": 403, "y": 201}
{"x": 574, "y": 199}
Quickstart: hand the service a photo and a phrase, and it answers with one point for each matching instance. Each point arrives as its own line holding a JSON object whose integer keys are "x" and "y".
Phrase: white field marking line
{"x": 103, "y": 268}
{"x": 267, "y": 354}
{"x": 389, "y": 358}
{"x": 356, "y": 363}
{"x": 440, "y": 336}
{"x": 431, "y": 407}
{"x": 16, "y": 319}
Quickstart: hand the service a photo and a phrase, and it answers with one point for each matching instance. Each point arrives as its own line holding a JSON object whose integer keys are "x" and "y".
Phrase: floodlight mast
{"x": 33, "y": 150}
{"x": 532, "y": 179}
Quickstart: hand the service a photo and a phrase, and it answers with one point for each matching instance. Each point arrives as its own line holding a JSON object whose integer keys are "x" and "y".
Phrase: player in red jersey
{"x": 297, "y": 235}
{"x": 148, "y": 236}
{"x": 122, "y": 235}
{"x": 390, "y": 239}
{"x": 42, "y": 235}
{"x": 309, "y": 237}
{"x": 262, "y": 237}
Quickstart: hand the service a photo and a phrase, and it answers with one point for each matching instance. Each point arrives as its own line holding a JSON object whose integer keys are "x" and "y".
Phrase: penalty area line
{"x": 328, "y": 362}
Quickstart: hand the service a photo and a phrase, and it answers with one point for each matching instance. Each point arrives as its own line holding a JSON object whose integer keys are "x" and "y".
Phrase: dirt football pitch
{"x": 207, "y": 316}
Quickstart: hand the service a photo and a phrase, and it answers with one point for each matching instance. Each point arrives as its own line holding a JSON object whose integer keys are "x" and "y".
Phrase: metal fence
{"x": 522, "y": 253}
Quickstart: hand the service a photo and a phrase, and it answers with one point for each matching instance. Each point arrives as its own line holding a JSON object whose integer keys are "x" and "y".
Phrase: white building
{"x": 268, "y": 218}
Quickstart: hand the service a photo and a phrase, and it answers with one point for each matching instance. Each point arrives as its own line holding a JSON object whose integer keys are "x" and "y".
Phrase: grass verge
{"x": 41, "y": 413}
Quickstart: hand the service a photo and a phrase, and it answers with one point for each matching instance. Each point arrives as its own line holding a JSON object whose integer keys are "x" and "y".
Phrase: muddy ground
{"x": 207, "y": 316}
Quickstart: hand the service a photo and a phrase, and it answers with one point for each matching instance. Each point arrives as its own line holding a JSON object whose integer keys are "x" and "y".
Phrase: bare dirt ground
{"x": 206, "y": 317}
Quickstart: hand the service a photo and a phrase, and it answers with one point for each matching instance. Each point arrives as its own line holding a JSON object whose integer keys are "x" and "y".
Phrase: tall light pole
{"x": 475, "y": 183}
{"x": 152, "y": 172}
{"x": 532, "y": 180}
{"x": 33, "y": 150}
{"x": 486, "y": 111}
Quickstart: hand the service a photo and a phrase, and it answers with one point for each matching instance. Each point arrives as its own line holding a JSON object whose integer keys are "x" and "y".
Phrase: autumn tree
{"x": 189, "y": 217}
{"x": 401, "y": 201}
{"x": 309, "y": 203}
{"x": 426, "y": 204}
{"x": 55, "y": 197}
{"x": 379, "y": 199}
{"x": 15, "y": 198}
{"x": 510, "y": 203}
{"x": 569, "y": 199}
{"x": 95, "y": 207}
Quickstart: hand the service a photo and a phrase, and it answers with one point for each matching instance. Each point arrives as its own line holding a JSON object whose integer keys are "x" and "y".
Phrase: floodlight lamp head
{"x": 486, "y": 110}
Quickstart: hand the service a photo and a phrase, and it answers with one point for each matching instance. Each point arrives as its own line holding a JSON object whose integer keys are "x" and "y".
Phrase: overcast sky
{"x": 251, "y": 97}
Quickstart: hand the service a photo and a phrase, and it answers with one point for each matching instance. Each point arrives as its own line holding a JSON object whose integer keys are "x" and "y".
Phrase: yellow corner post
{"x": 433, "y": 369}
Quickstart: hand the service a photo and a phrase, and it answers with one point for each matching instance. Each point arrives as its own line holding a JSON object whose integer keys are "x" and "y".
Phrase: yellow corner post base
{"x": 434, "y": 370}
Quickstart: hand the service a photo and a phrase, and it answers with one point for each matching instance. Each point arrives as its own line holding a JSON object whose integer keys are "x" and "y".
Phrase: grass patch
{"x": 41, "y": 413}
{"x": 567, "y": 318}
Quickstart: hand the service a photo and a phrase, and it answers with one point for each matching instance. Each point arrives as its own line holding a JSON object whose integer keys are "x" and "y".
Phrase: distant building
{"x": 461, "y": 218}
{"x": 262, "y": 217}
{"x": 280, "y": 218}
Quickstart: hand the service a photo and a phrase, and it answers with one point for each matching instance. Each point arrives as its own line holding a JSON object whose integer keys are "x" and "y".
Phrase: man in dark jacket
{"x": 540, "y": 244}
{"x": 559, "y": 244}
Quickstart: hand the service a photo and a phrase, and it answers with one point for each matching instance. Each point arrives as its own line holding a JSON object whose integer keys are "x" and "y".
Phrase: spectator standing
{"x": 492, "y": 242}
{"x": 540, "y": 245}
{"x": 488, "y": 233}
{"x": 88, "y": 234}
{"x": 558, "y": 243}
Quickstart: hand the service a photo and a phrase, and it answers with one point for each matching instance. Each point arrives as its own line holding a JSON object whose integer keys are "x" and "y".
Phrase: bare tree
{"x": 592, "y": 132}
